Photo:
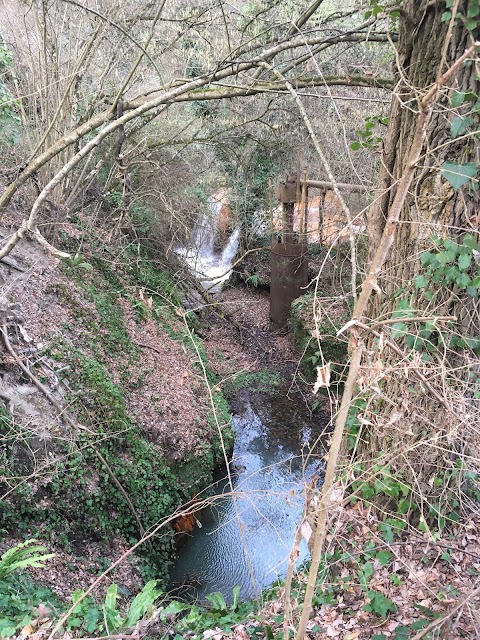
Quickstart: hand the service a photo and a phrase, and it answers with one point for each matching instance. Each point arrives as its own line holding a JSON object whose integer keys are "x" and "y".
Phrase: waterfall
{"x": 212, "y": 268}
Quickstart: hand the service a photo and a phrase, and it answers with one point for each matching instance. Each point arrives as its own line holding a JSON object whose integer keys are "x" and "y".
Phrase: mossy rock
{"x": 317, "y": 340}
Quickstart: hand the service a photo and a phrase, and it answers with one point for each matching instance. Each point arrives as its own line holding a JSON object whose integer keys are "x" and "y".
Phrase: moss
{"x": 77, "y": 498}
{"x": 333, "y": 349}
{"x": 265, "y": 382}
{"x": 79, "y": 483}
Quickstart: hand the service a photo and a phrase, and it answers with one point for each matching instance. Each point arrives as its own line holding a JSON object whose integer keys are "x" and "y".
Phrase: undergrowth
{"x": 264, "y": 381}
{"x": 80, "y": 473}
{"x": 319, "y": 343}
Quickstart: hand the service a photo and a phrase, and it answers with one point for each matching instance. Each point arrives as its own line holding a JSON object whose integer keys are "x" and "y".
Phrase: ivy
{"x": 447, "y": 263}
{"x": 465, "y": 121}
{"x": 459, "y": 174}
{"x": 368, "y": 138}
{"x": 470, "y": 18}
{"x": 9, "y": 118}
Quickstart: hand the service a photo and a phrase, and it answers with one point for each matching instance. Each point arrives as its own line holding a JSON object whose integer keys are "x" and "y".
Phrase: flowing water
{"x": 211, "y": 267}
{"x": 246, "y": 540}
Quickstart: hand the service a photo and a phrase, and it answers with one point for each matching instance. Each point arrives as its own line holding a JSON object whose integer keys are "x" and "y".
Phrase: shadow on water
{"x": 270, "y": 466}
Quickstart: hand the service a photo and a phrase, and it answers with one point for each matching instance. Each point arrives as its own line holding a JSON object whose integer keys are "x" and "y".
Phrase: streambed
{"x": 246, "y": 540}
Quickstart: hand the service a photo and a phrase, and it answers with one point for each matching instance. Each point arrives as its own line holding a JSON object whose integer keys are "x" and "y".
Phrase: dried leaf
{"x": 214, "y": 634}
{"x": 306, "y": 530}
{"x": 323, "y": 377}
{"x": 42, "y": 612}
{"x": 26, "y": 631}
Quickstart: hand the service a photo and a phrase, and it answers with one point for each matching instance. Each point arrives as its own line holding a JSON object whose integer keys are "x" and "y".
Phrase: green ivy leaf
{"x": 355, "y": 146}
{"x": 451, "y": 273}
{"x": 470, "y": 242}
{"x": 367, "y": 492}
{"x": 463, "y": 280}
{"x": 444, "y": 257}
{"x": 460, "y": 125}
{"x": 365, "y": 574}
{"x": 380, "y": 604}
{"x": 384, "y": 557}
{"x": 426, "y": 258}
{"x": 471, "y": 24}
{"x": 472, "y": 343}
{"x": 91, "y": 620}
{"x": 450, "y": 245}
{"x": 459, "y": 174}
{"x": 420, "y": 282}
{"x": 464, "y": 261}
{"x": 402, "y": 310}
{"x": 446, "y": 15}
{"x": 458, "y": 98}
{"x": 399, "y": 329}
{"x": 473, "y": 10}
{"x": 414, "y": 342}
{"x": 7, "y": 628}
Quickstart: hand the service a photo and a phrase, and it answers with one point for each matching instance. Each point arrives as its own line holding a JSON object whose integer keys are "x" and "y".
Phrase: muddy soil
{"x": 238, "y": 340}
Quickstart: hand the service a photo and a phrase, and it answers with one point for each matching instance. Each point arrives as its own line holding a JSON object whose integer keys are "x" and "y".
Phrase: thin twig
{"x": 403, "y": 355}
{"x": 436, "y": 623}
{"x": 355, "y": 344}
{"x": 326, "y": 165}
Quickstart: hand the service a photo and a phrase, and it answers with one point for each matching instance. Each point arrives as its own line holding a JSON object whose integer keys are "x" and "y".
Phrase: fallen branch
{"x": 11, "y": 263}
{"x": 436, "y": 623}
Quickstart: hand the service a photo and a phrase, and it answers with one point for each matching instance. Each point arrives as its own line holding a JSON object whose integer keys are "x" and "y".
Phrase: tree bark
{"x": 404, "y": 415}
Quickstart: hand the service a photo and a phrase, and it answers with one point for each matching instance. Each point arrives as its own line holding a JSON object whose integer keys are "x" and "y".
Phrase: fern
{"x": 23, "y": 555}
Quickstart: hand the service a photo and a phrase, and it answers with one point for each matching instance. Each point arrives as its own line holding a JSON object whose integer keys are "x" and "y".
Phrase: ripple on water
{"x": 246, "y": 541}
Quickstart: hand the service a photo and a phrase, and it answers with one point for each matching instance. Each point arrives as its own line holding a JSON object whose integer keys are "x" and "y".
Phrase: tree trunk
{"x": 405, "y": 421}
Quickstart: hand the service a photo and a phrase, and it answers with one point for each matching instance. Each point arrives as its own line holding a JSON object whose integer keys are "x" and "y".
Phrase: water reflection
{"x": 247, "y": 541}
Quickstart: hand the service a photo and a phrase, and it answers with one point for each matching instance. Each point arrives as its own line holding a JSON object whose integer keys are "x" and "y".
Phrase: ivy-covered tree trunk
{"x": 432, "y": 271}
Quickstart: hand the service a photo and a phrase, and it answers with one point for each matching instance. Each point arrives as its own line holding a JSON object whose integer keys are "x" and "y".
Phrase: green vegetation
{"x": 368, "y": 137}
{"x": 25, "y": 604}
{"x": 411, "y": 433}
{"x": 447, "y": 263}
{"x": 110, "y": 472}
{"x": 89, "y": 617}
{"x": 9, "y": 118}
{"x": 352, "y": 563}
{"x": 19, "y": 595}
{"x": 327, "y": 347}
{"x": 264, "y": 381}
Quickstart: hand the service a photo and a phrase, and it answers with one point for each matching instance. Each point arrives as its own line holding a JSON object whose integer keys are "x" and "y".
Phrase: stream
{"x": 246, "y": 542}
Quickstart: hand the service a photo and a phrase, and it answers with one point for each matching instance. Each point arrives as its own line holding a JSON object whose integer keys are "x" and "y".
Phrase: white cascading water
{"x": 212, "y": 268}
